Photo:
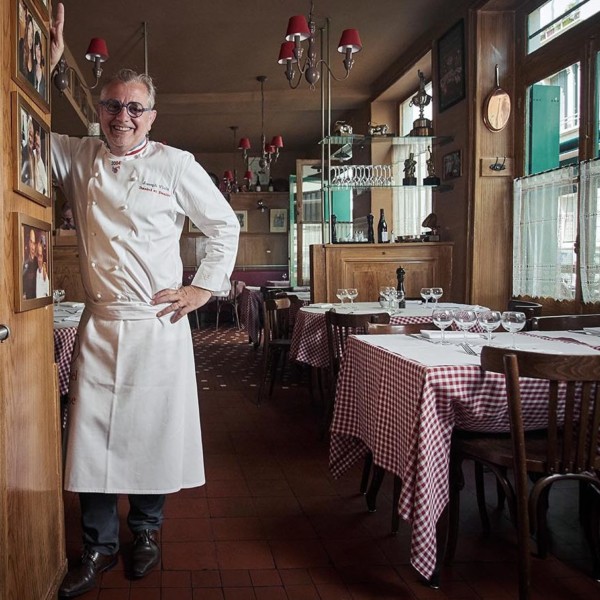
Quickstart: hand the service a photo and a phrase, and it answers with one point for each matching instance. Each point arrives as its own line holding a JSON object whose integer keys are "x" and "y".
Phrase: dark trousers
{"x": 100, "y": 518}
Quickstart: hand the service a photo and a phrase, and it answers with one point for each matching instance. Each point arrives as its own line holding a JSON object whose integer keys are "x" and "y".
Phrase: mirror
{"x": 496, "y": 110}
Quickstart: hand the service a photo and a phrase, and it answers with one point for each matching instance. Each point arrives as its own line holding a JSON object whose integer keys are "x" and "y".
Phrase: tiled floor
{"x": 272, "y": 524}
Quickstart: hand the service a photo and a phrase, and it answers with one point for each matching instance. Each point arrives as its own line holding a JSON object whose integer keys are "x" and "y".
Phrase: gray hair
{"x": 130, "y": 76}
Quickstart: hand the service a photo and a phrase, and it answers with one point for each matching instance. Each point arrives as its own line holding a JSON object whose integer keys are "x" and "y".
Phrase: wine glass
{"x": 490, "y": 321}
{"x": 383, "y": 294}
{"x": 465, "y": 319}
{"x": 351, "y": 293}
{"x": 442, "y": 318}
{"x": 341, "y": 294}
{"x": 425, "y": 294}
{"x": 396, "y": 297}
{"x": 513, "y": 321}
{"x": 436, "y": 294}
{"x": 58, "y": 296}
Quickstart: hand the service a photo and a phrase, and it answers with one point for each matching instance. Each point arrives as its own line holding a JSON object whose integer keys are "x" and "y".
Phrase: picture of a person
{"x": 30, "y": 264}
{"x": 42, "y": 281}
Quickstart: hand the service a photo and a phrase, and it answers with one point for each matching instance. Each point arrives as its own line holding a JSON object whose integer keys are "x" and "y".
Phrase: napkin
{"x": 324, "y": 305}
{"x": 433, "y": 334}
{"x": 594, "y": 330}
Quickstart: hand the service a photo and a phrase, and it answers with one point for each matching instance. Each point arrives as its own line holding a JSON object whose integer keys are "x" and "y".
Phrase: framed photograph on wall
{"x": 278, "y": 220}
{"x": 31, "y": 45}
{"x": 31, "y": 143}
{"x": 451, "y": 165}
{"x": 33, "y": 263}
{"x": 242, "y": 216}
{"x": 451, "y": 66}
{"x": 254, "y": 166}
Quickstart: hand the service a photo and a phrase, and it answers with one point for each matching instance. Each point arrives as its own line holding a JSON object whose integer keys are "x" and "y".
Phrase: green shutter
{"x": 544, "y": 121}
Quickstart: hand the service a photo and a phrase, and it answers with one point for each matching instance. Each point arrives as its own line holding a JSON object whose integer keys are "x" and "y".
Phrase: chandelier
{"x": 269, "y": 151}
{"x": 290, "y": 54}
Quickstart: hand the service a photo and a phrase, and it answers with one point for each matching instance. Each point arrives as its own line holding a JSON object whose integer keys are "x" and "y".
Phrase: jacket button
{"x": 93, "y": 264}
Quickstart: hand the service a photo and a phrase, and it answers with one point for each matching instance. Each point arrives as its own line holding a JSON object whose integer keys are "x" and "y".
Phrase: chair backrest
{"x": 531, "y": 310}
{"x": 565, "y": 322}
{"x": 279, "y": 316}
{"x": 341, "y": 325}
{"x": 573, "y": 405}
{"x": 407, "y": 328}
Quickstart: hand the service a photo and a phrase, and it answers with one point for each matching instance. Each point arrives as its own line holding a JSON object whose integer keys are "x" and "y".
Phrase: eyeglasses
{"x": 114, "y": 107}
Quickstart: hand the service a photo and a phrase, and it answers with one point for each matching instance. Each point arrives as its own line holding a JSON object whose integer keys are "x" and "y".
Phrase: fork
{"x": 468, "y": 349}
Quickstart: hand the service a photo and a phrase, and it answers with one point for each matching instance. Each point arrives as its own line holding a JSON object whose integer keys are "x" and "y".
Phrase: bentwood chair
{"x": 379, "y": 472}
{"x": 565, "y": 322}
{"x": 339, "y": 326}
{"x": 566, "y": 449}
{"x": 232, "y": 300}
{"x": 278, "y": 318}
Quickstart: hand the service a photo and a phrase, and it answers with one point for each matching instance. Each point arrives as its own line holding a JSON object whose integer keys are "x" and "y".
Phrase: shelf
{"x": 444, "y": 187}
{"x": 363, "y": 140}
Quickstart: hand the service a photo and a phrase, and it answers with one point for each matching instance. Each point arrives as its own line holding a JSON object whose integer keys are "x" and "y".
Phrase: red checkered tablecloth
{"x": 64, "y": 340}
{"x": 250, "y": 307}
{"x": 404, "y": 412}
{"x": 309, "y": 339}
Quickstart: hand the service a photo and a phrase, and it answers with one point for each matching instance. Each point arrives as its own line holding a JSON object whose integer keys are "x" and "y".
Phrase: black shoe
{"x": 83, "y": 577}
{"x": 146, "y": 553}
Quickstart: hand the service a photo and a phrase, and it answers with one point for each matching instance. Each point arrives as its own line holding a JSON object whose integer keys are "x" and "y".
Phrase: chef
{"x": 134, "y": 423}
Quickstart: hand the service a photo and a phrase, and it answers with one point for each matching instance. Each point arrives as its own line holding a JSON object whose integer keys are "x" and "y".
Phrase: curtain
{"x": 544, "y": 234}
{"x": 589, "y": 247}
{"x": 411, "y": 204}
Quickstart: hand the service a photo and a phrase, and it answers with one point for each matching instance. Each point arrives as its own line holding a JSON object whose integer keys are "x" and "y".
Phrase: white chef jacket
{"x": 133, "y": 408}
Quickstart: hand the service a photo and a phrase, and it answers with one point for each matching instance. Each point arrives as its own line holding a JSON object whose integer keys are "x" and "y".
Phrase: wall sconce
{"x": 97, "y": 53}
{"x": 262, "y": 206}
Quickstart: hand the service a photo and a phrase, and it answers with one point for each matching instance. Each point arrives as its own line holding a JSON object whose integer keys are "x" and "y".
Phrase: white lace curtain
{"x": 411, "y": 203}
{"x": 543, "y": 212}
{"x": 589, "y": 246}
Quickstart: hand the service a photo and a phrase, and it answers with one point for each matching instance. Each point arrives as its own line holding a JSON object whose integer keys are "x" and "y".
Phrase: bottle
{"x": 271, "y": 187}
{"x": 382, "y": 229}
{"x": 370, "y": 232}
{"x": 257, "y": 187}
{"x": 333, "y": 230}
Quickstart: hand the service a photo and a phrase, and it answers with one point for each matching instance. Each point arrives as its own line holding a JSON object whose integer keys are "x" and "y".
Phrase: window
{"x": 555, "y": 17}
{"x": 411, "y": 204}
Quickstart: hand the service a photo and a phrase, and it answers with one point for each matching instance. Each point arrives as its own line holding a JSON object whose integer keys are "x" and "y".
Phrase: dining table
{"x": 309, "y": 337}
{"x": 399, "y": 398}
{"x": 65, "y": 322}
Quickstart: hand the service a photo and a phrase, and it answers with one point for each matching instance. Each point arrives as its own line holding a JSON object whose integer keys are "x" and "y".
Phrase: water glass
{"x": 58, "y": 296}
{"x": 442, "y": 318}
{"x": 465, "y": 319}
{"x": 425, "y": 294}
{"x": 513, "y": 321}
{"x": 436, "y": 294}
{"x": 490, "y": 321}
{"x": 341, "y": 294}
{"x": 351, "y": 293}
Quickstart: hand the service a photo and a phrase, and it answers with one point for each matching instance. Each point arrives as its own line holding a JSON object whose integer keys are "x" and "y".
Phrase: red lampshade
{"x": 350, "y": 40}
{"x": 286, "y": 53}
{"x": 269, "y": 148}
{"x": 244, "y": 144}
{"x": 97, "y": 49}
{"x": 248, "y": 175}
{"x": 297, "y": 26}
{"x": 277, "y": 141}
{"x": 228, "y": 175}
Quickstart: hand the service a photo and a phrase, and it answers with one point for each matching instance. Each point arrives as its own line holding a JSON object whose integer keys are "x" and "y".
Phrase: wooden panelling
{"x": 369, "y": 266}
{"x": 67, "y": 274}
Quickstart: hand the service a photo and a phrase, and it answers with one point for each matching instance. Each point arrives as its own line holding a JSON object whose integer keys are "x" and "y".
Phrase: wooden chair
{"x": 339, "y": 326}
{"x": 531, "y": 309}
{"x": 566, "y": 449}
{"x": 565, "y": 322}
{"x": 232, "y": 300}
{"x": 278, "y": 319}
{"x": 379, "y": 472}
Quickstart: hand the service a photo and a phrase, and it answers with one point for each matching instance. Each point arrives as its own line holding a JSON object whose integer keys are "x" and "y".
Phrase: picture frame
{"x": 451, "y": 77}
{"x": 254, "y": 166}
{"x": 452, "y": 165}
{"x": 43, "y": 8}
{"x": 242, "y": 217}
{"x": 33, "y": 262}
{"x": 31, "y": 143}
{"x": 278, "y": 222}
{"x": 31, "y": 47}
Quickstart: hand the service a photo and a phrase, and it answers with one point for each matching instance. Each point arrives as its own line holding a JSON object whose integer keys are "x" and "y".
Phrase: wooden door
{"x": 32, "y": 547}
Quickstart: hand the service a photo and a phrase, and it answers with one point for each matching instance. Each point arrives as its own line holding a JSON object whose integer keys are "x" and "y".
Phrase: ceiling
{"x": 205, "y": 55}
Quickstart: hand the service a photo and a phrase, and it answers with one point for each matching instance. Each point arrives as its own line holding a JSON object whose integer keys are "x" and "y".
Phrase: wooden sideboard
{"x": 369, "y": 266}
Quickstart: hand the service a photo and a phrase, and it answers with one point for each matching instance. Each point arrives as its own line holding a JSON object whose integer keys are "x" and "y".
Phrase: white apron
{"x": 133, "y": 408}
